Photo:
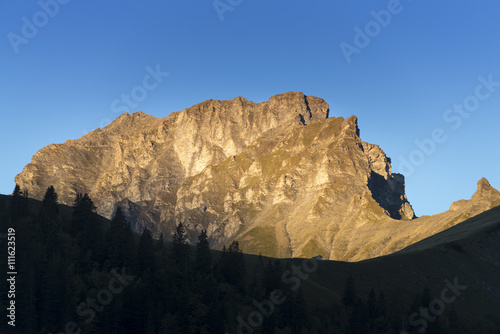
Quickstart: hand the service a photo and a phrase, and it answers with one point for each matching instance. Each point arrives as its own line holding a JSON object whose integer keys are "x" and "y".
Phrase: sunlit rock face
{"x": 280, "y": 176}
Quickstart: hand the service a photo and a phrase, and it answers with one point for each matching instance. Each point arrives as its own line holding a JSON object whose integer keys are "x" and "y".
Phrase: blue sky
{"x": 398, "y": 66}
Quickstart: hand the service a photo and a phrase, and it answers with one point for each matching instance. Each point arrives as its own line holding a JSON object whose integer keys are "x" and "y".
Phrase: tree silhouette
{"x": 49, "y": 203}
{"x": 83, "y": 207}
{"x": 180, "y": 247}
{"x": 349, "y": 294}
{"x": 86, "y": 227}
{"x": 119, "y": 241}
{"x": 203, "y": 254}
{"x": 145, "y": 252}
{"x": 48, "y": 222}
{"x": 19, "y": 207}
{"x": 232, "y": 264}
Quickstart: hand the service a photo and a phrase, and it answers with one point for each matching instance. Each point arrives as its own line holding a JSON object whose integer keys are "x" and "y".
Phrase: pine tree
{"x": 180, "y": 247}
{"x": 47, "y": 224}
{"x": 232, "y": 265}
{"x": 83, "y": 208}
{"x": 49, "y": 203}
{"x": 417, "y": 302}
{"x": 349, "y": 294}
{"x": 54, "y": 293}
{"x": 180, "y": 237}
{"x": 453, "y": 323}
{"x": 216, "y": 317}
{"x": 3, "y": 214}
{"x": 268, "y": 327}
{"x": 372, "y": 304}
{"x": 120, "y": 246}
{"x": 145, "y": 252}
{"x": 382, "y": 304}
{"x": 18, "y": 208}
{"x": 257, "y": 286}
{"x": 87, "y": 228}
{"x": 300, "y": 316}
{"x": 203, "y": 254}
{"x": 161, "y": 242}
{"x": 359, "y": 318}
{"x": 381, "y": 322}
{"x": 426, "y": 297}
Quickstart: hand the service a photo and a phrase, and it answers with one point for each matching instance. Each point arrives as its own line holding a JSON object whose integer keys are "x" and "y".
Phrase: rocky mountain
{"x": 280, "y": 176}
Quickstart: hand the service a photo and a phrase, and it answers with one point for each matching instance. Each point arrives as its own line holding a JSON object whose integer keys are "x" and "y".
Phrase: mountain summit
{"x": 485, "y": 191}
{"x": 280, "y": 176}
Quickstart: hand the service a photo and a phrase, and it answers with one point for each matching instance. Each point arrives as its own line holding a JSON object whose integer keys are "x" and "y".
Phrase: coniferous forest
{"x": 80, "y": 273}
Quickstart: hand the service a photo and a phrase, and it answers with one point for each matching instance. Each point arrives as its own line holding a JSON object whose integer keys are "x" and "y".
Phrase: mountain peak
{"x": 280, "y": 176}
{"x": 484, "y": 190}
{"x": 483, "y": 184}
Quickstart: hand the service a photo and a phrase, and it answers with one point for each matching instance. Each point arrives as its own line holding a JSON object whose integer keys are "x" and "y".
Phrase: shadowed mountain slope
{"x": 468, "y": 253}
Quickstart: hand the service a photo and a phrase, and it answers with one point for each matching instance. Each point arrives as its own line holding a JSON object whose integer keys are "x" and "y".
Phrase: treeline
{"x": 78, "y": 273}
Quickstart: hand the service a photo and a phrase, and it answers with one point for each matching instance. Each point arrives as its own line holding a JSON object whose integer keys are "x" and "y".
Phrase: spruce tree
{"x": 232, "y": 265}
{"x": 203, "y": 254}
{"x": 300, "y": 316}
{"x": 119, "y": 242}
{"x": 382, "y": 304}
{"x": 359, "y": 318}
{"x": 349, "y": 294}
{"x": 372, "y": 304}
{"x": 48, "y": 223}
{"x": 49, "y": 202}
{"x": 87, "y": 228}
{"x": 18, "y": 208}
{"x": 83, "y": 208}
{"x": 426, "y": 297}
{"x": 3, "y": 214}
{"x": 145, "y": 253}
{"x": 180, "y": 247}
{"x": 161, "y": 242}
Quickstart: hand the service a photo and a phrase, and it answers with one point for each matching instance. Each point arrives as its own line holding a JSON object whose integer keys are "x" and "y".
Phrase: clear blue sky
{"x": 62, "y": 68}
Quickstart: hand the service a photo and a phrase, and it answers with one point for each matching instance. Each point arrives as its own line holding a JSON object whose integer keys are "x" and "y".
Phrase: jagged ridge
{"x": 279, "y": 175}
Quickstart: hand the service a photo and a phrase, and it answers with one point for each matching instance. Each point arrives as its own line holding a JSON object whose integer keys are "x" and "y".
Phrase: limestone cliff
{"x": 140, "y": 161}
{"x": 279, "y": 176}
